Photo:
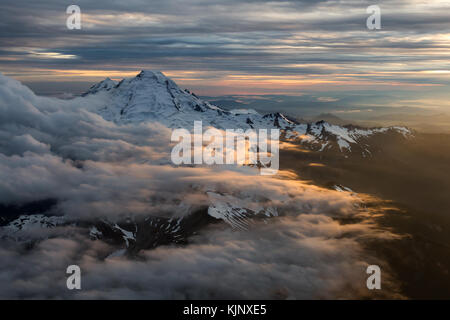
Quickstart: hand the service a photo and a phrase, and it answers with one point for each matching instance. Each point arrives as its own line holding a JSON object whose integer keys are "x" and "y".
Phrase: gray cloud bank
{"x": 301, "y": 257}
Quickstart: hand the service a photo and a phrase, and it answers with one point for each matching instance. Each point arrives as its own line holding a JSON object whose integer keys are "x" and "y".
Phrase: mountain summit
{"x": 104, "y": 85}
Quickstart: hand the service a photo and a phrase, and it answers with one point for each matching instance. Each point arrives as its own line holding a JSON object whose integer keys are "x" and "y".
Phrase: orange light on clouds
{"x": 225, "y": 83}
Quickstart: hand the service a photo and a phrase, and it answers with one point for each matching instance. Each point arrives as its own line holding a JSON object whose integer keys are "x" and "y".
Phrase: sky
{"x": 319, "y": 48}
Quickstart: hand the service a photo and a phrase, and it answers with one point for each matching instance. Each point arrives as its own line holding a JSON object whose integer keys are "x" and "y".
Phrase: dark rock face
{"x": 154, "y": 232}
{"x": 151, "y": 232}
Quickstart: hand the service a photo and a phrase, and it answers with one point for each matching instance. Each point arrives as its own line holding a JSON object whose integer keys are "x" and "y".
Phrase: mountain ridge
{"x": 151, "y": 96}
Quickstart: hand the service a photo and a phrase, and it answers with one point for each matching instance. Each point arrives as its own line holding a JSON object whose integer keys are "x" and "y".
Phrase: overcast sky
{"x": 234, "y": 47}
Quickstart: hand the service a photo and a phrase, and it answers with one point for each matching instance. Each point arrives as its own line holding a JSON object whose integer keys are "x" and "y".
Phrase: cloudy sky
{"x": 233, "y": 47}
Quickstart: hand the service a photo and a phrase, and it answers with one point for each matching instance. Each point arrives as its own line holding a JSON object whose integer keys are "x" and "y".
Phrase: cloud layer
{"x": 301, "y": 257}
{"x": 234, "y": 47}
{"x": 60, "y": 149}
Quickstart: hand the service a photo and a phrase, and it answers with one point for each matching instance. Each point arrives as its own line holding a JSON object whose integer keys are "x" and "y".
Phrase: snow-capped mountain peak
{"x": 323, "y": 136}
{"x": 154, "y": 74}
{"x": 104, "y": 85}
{"x": 151, "y": 96}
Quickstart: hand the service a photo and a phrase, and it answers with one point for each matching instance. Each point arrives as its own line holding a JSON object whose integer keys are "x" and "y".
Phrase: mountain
{"x": 20, "y": 228}
{"x": 349, "y": 140}
{"x": 104, "y": 85}
{"x": 151, "y": 96}
{"x": 134, "y": 234}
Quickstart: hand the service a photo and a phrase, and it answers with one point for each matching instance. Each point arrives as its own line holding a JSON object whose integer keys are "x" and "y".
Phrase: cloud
{"x": 327, "y": 99}
{"x": 299, "y": 257}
